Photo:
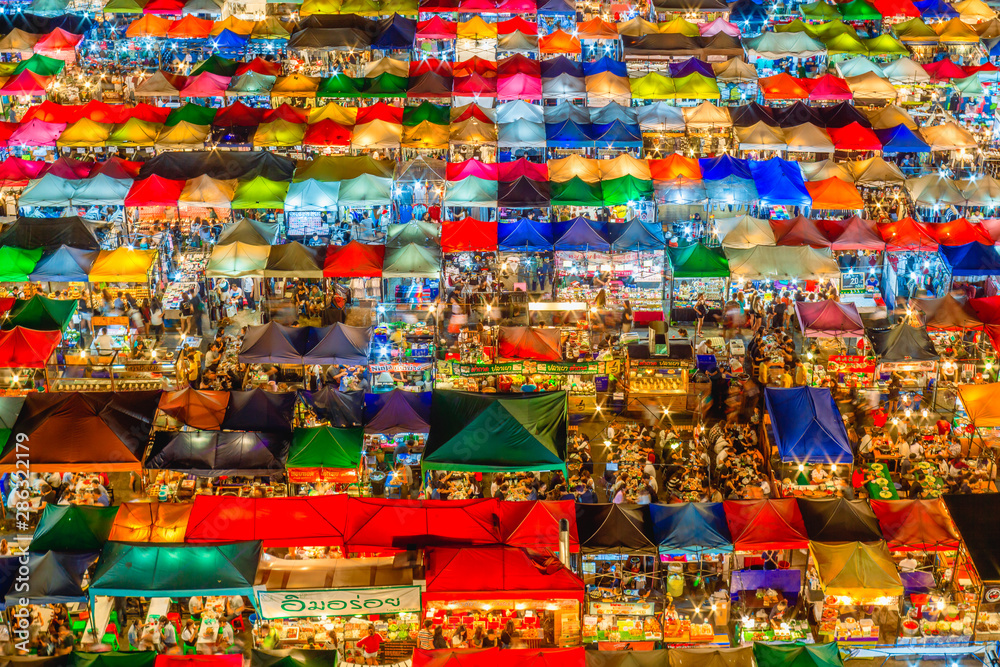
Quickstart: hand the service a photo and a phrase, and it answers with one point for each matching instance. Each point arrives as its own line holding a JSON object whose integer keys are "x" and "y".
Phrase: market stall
{"x": 909, "y": 352}
{"x": 697, "y": 271}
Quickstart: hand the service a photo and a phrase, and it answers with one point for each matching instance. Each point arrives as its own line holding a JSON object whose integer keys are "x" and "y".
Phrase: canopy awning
{"x": 856, "y": 569}
{"x": 807, "y": 425}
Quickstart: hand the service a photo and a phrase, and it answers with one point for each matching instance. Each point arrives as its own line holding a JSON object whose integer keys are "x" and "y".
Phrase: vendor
{"x": 778, "y": 613}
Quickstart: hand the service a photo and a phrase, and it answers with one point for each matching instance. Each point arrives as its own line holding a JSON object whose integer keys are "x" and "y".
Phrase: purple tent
{"x": 829, "y": 319}
{"x": 399, "y": 411}
{"x": 690, "y": 66}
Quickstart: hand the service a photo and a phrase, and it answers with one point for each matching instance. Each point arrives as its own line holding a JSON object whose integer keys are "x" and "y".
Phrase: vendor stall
{"x": 697, "y": 271}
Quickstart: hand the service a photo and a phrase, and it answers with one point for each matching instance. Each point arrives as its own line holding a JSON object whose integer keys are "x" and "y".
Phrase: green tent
{"x": 625, "y": 189}
{"x": 192, "y": 113}
{"x": 818, "y": 11}
{"x": 859, "y": 10}
{"x": 175, "y": 570}
{"x": 471, "y": 191}
{"x": 40, "y": 313}
{"x": 73, "y": 528}
{"x": 386, "y": 85}
{"x": 576, "y": 192}
{"x": 325, "y": 453}
{"x": 833, "y": 28}
{"x": 340, "y": 85}
{"x": 436, "y": 114}
{"x": 698, "y": 261}
{"x": 798, "y": 26}
{"x": 10, "y": 408}
{"x": 412, "y": 261}
{"x": 216, "y": 65}
{"x": 970, "y": 86}
{"x": 260, "y": 193}
{"x": 52, "y": 7}
{"x": 112, "y": 659}
{"x": 124, "y": 6}
{"x": 17, "y": 263}
{"x": 497, "y": 432}
{"x": 40, "y": 65}
{"x": 797, "y": 655}
{"x": 884, "y": 45}
{"x": 844, "y": 43}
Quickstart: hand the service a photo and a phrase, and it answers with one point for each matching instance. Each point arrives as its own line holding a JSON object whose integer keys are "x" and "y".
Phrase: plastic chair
{"x": 79, "y": 626}
{"x": 190, "y": 650}
{"x": 110, "y": 639}
{"x": 238, "y": 624}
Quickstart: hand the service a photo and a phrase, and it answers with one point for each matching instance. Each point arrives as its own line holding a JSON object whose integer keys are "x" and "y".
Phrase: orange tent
{"x": 149, "y": 25}
{"x": 833, "y": 193}
{"x": 558, "y": 42}
{"x": 190, "y": 27}
{"x": 782, "y": 87}
{"x": 200, "y": 409}
{"x": 596, "y": 28}
{"x": 158, "y": 523}
{"x": 674, "y": 165}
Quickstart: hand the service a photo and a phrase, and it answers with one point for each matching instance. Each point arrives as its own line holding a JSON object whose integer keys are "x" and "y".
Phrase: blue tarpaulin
{"x": 581, "y": 235}
{"x": 691, "y": 528}
{"x": 807, "y": 425}
{"x": 690, "y": 66}
{"x": 780, "y": 183}
{"x": 724, "y": 166}
{"x": 901, "y": 139}
{"x": 731, "y": 189}
{"x": 971, "y": 259}
{"x": 227, "y": 39}
{"x": 395, "y": 32}
{"x": 637, "y": 235}
{"x": 569, "y": 134}
{"x": 65, "y": 265}
{"x": 605, "y": 64}
{"x": 561, "y": 65}
{"x": 935, "y": 10}
{"x": 617, "y": 133}
{"x": 524, "y": 234}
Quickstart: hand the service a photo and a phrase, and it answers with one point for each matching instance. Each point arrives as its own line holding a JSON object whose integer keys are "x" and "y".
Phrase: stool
{"x": 110, "y": 639}
{"x": 114, "y": 617}
{"x": 79, "y": 626}
{"x": 190, "y": 650}
{"x": 174, "y": 617}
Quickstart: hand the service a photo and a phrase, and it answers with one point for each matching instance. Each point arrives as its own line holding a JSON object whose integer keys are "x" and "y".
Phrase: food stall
{"x": 487, "y": 587}
{"x": 861, "y": 592}
{"x": 396, "y": 418}
{"x": 637, "y": 263}
{"x": 908, "y": 351}
{"x": 695, "y": 270}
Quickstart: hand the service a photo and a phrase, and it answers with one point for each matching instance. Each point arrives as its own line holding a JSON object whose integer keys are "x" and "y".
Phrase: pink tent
{"x": 517, "y": 7}
{"x": 829, "y": 319}
{"x": 456, "y": 171}
{"x": 517, "y": 24}
{"x": 519, "y": 86}
{"x": 36, "y": 133}
{"x": 205, "y": 84}
{"x": 718, "y": 25}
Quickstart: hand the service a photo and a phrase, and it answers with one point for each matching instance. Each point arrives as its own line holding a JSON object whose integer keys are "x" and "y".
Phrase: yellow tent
{"x": 915, "y": 30}
{"x": 477, "y": 28}
{"x": 472, "y": 131}
{"x": 637, "y": 27}
{"x": 760, "y": 136}
{"x": 606, "y": 85}
{"x": 336, "y": 112}
{"x": 133, "y": 133}
{"x": 859, "y": 570}
{"x": 678, "y": 26}
{"x": 956, "y": 31}
{"x": 707, "y": 115}
{"x": 295, "y": 85}
{"x": 269, "y": 28}
{"x": 377, "y": 134}
{"x": 425, "y": 135}
{"x": 237, "y": 260}
{"x": 974, "y": 11}
{"x": 889, "y": 117}
{"x": 574, "y": 166}
{"x": 652, "y": 86}
{"x": 624, "y": 165}
{"x": 232, "y": 24}
{"x": 122, "y": 265}
{"x": 870, "y": 86}
{"x": 84, "y": 133}
{"x": 948, "y": 137}
{"x": 209, "y": 192}
{"x": 182, "y": 136}
{"x": 982, "y": 403}
{"x": 279, "y": 133}
{"x": 387, "y": 65}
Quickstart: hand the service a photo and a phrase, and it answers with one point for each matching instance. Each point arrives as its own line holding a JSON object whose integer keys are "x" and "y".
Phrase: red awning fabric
{"x": 960, "y": 232}
{"x": 327, "y": 133}
{"x": 375, "y": 523}
{"x": 485, "y": 572}
{"x": 101, "y": 112}
{"x": 988, "y": 310}
{"x": 277, "y": 522}
{"x": 907, "y": 234}
{"x": 827, "y": 87}
{"x": 829, "y": 319}
{"x": 52, "y": 112}
{"x": 489, "y": 657}
{"x": 916, "y": 525}
{"x": 190, "y": 27}
{"x": 558, "y": 42}
{"x": 835, "y": 194}
{"x": 762, "y": 525}
{"x": 456, "y": 171}
{"x": 222, "y": 660}
{"x": 27, "y": 348}
{"x": 436, "y": 28}
{"x": 430, "y": 65}
{"x": 462, "y": 657}
{"x": 943, "y": 70}
{"x": 200, "y": 409}
{"x": 530, "y": 343}
{"x": 468, "y": 235}
{"x": 154, "y": 191}
{"x": 147, "y": 112}
{"x": 260, "y": 66}
{"x": 287, "y": 112}
{"x": 354, "y": 260}
{"x": 511, "y": 171}
{"x": 471, "y": 111}
{"x": 853, "y": 233}
{"x": 889, "y": 8}
{"x": 854, "y": 137}
{"x": 71, "y": 169}
{"x": 380, "y": 111}
{"x": 517, "y": 24}
{"x": 535, "y": 525}
{"x": 16, "y": 172}
{"x": 674, "y": 165}
{"x": 238, "y": 114}
{"x": 800, "y": 230}
{"x": 992, "y": 227}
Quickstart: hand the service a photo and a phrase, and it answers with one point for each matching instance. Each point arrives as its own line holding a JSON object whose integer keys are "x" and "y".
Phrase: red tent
{"x": 462, "y": 657}
{"x": 960, "y": 232}
{"x": 170, "y": 7}
{"x": 530, "y": 343}
{"x": 51, "y": 112}
{"x": 854, "y": 233}
{"x": 430, "y": 65}
{"x": 468, "y": 235}
{"x": 287, "y": 113}
{"x": 472, "y": 111}
{"x": 988, "y": 310}
{"x": 992, "y": 227}
{"x": 829, "y": 319}
{"x": 907, "y": 234}
{"x": 27, "y": 348}
{"x": 16, "y": 172}
{"x": 100, "y": 112}
{"x": 354, "y": 260}
{"x": 432, "y": 6}
{"x": 25, "y": 83}
{"x": 147, "y": 112}
{"x": 376, "y": 523}
{"x": 854, "y": 137}
{"x": 916, "y": 525}
{"x": 117, "y": 168}
{"x": 783, "y": 86}
{"x": 154, "y": 191}
{"x": 238, "y": 114}
{"x": 277, "y": 522}
{"x": 59, "y": 44}
{"x": 535, "y": 524}
{"x": 260, "y": 66}
{"x": 190, "y": 27}
{"x": 800, "y": 230}
{"x": 222, "y": 660}
{"x": 72, "y": 169}
{"x": 435, "y": 28}
{"x": 511, "y": 171}
{"x": 517, "y": 24}
{"x": 327, "y": 133}
{"x": 7, "y": 128}
{"x": 519, "y": 64}
{"x": 489, "y": 572}
{"x": 474, "y": 85}
{"x": 827, "y": 87}
{"x": 889, "y": 8}
{"x": 762, "y": 525}
{"x": 456, "y": 171}
{"x": 943, "y": 70}
{"x": 389, "y": 113}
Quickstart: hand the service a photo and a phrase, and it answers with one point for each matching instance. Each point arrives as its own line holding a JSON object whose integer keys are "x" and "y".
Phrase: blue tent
{"x": 935, "y": 10}
{"x": 558, "y": 7}
{"x": 901, "y": 139}
{"x": 605, "y": 64}
{"x": 561, "y": 65}
{"x": 779, "y": 182}
{"x": 724, "y": 166}
{"x": 395, "y": 32}
{"x": 569, "y": 134}
{"x": 617, "y": 133}
{"x": 993, "y": 46}
{"x": 731, "y": 190}
{"x": 637, "y": 235}
{"x": 691, "y": 528}
{"x": 807, "y": 425}
{"x": 691, "y": 66}
{"x": 524, "y": 234}
{"x": 581, "y": 235}
{"x": 65, "y": 265}
{"x": 749, "y": 16}
{"x": 52, "y": 578}
{"x": 971, "y": 259}
{"x": 227, "y": 40}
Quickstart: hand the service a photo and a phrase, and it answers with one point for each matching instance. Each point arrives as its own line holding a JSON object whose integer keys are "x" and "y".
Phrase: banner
{"x": 471, "y": 370}
{"x": 339, "y": 602}
{"x": 559, "y": 367}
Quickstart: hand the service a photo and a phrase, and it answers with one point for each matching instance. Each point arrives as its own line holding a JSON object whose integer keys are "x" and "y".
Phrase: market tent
{"x": 17, "y": 263}
{"x": 903, "y": 342}
{"x": 829, "y": 319}
{"x": 853, "y": 233}
{"x": 276, "y": 522}
{"x": 697, "y": 261}
{"x": 150, "y": 522}
{"x": 376, "y": 523}
{"x": 797, "y": 655}
{"x": 324, "y": 454}
{"x": 947, "y": 137}
{"x": 745, "y": 232}
{"x": 907, "y": 234}
{"x": 977, "y": 518}
{"x": 761, "y": 525}
{"x": 122, "y": 265}
{"x": 947, "y": 313}
{"x": 51, "y": 578}
{"x": 496, "y": 432}
{"x": 613, "y": 527}
{"x": 175, "y": 570}
{"x": 82, "y": 432}
{"x": 980, "y": 403}
{"x": 398, "y": 411}
{"x": 839, "y": 520}
{"x": 49, "y": 190}
{"x": 72, "y": 528}
{"x": 539, "y": 344}
{"x": 64, "y": 264}
{"x": 218, "y": 453}
{"x": 637, "y": 235}
{"x": 807, "y": 425}
{"x": 782, "y": 263}
{"x": 916, "y": 524}
{"x": 876, "y": 171}
{"x": 709, "y": 656}
{"x": 259, "y": 410}
{"x": 498, "y": 570}
{"x": 524, "y": 235}
{"x": 834, "y": 193}
{"x": 780, "y": 182}
{"x": 238, "y": 259}
{"x": 294, "y": 260}
{"x": 40, "y": 313}
{"x": 101, "y": 190}
{"x": 468, "y": 235}
{"x": 339, "y": 344}
{"x": 690, "y": 528}
{"x": 971, "y": 259}
{"x": 535, "y": 524}
{"x": 581, "y": 235}
{"x": 341, "y": 409}
{"x": 274, "y": 343}
{"x": 412, "y": 261}
{"x": 197, "y": 409}
{"x": 354, "y": 260}
{"x": 30, "y": 233}
{"x": 26, "y": 348}
{"x": 856, "y": 569}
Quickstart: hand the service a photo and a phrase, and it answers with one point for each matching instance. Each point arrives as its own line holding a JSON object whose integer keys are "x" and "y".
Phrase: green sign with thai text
{"x": 338, "y": 602}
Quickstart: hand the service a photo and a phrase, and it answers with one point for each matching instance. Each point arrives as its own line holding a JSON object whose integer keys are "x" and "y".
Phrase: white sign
{"x": 340, "y": 602}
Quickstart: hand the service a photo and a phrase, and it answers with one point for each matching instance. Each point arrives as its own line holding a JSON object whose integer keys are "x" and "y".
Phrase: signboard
{"x": 582, "y": 367}
{"x": 339, "y": 602}
{"x": 399, "y": 368}
{"x": 622, "y": 608}
{"x": 626, "y": 646}
{"x": 472, "y": 370}
{"x": 851, "y": 363}
{"x": 852, "y": 282}
{"x": 991, "y": 594}
{"x": 110, "y": 321}
{"x": 661, "y": 363}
